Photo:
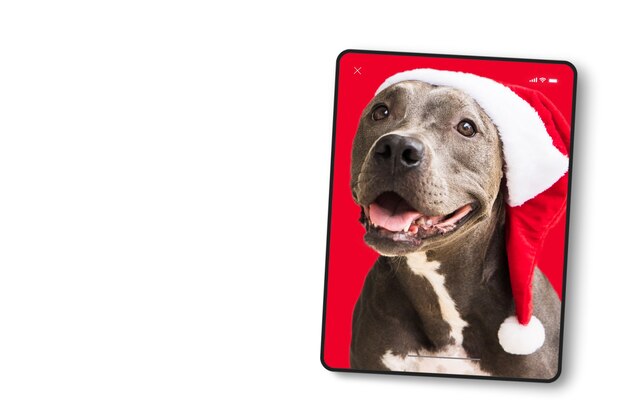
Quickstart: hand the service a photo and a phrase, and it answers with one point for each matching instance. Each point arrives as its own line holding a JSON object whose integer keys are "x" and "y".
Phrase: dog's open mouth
{"x": 390, "y": 216}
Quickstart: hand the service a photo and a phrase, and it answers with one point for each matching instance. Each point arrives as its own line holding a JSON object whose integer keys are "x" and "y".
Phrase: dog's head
{"x": 426, "y": 167}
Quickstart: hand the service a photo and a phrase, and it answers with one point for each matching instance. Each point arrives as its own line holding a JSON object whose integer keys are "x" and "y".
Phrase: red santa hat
{"x": 535, "y": 143}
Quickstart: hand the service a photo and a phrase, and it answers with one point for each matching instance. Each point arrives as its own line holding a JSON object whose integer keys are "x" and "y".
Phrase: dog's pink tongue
{"x": 392, "y": 213}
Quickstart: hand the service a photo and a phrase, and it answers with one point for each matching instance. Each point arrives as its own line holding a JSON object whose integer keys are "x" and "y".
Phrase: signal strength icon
{"x": 542, "y": 79}
{"x": 533, "y": 80}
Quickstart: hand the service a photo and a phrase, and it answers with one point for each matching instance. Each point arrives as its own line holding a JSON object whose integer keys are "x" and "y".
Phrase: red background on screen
{"x": 349, "y": 258}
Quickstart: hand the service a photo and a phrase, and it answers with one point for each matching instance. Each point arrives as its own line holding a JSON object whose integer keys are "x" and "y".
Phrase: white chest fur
{"x": 453, "y": 359}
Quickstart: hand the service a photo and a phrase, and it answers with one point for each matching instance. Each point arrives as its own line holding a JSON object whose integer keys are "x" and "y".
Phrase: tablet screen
{"x": 447, "y": 230}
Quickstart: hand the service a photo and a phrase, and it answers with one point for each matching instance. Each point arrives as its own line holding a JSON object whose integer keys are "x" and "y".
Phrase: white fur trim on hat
{"x": 518, "y": 339}
{"x": 533, "y": 164}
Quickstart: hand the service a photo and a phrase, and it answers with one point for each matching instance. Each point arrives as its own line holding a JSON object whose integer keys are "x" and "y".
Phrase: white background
{"x": 163, "y": 192}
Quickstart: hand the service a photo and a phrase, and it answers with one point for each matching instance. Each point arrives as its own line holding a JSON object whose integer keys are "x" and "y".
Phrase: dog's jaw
{"x": 394, "y": 228}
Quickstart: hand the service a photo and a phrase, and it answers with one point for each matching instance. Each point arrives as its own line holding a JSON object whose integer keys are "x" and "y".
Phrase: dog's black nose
{"x": 399, "y": 150}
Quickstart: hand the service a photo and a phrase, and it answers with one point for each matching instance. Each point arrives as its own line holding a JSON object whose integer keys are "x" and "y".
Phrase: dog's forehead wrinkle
{"x": 447, "y": 97}
{"x": 451, "y": 93}
{"x": 452, "y": 103}
{"x": 395, "y": 92}
{"x": 415, "y": 93}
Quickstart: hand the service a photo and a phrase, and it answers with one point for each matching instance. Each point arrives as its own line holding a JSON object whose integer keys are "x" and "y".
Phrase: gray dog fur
{"x": 404, "y": 320}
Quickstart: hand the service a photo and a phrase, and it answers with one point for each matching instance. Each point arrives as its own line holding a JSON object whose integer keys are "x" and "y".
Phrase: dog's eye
{"x": 466, "y": 128}
{"x": 380, "y": 112}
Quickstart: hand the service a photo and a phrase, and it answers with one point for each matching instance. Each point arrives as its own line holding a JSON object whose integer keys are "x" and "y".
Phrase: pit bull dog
{"x": 428, "y": 173}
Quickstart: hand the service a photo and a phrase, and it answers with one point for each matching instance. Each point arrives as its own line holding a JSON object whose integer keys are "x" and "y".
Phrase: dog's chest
{"x": 453, "y": 358}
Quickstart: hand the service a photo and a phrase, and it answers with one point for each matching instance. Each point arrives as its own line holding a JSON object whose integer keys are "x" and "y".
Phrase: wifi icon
{"x": 542, "y": 79}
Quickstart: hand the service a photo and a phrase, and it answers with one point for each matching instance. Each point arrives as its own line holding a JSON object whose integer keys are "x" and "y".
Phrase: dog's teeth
{"x": 407, "y": 227}
{"x": 429, "y": 222}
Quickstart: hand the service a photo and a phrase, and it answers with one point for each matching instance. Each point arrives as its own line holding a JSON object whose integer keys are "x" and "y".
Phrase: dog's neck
{"x": 477, "y": 255}
{"x": 461, "y": 273}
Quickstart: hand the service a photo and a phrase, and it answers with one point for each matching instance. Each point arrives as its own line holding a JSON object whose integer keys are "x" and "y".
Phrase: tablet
{"x": 448, "y": 214}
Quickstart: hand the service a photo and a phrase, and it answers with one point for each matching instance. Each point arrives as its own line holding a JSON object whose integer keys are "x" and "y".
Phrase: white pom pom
{"x": 521, "y": 340}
